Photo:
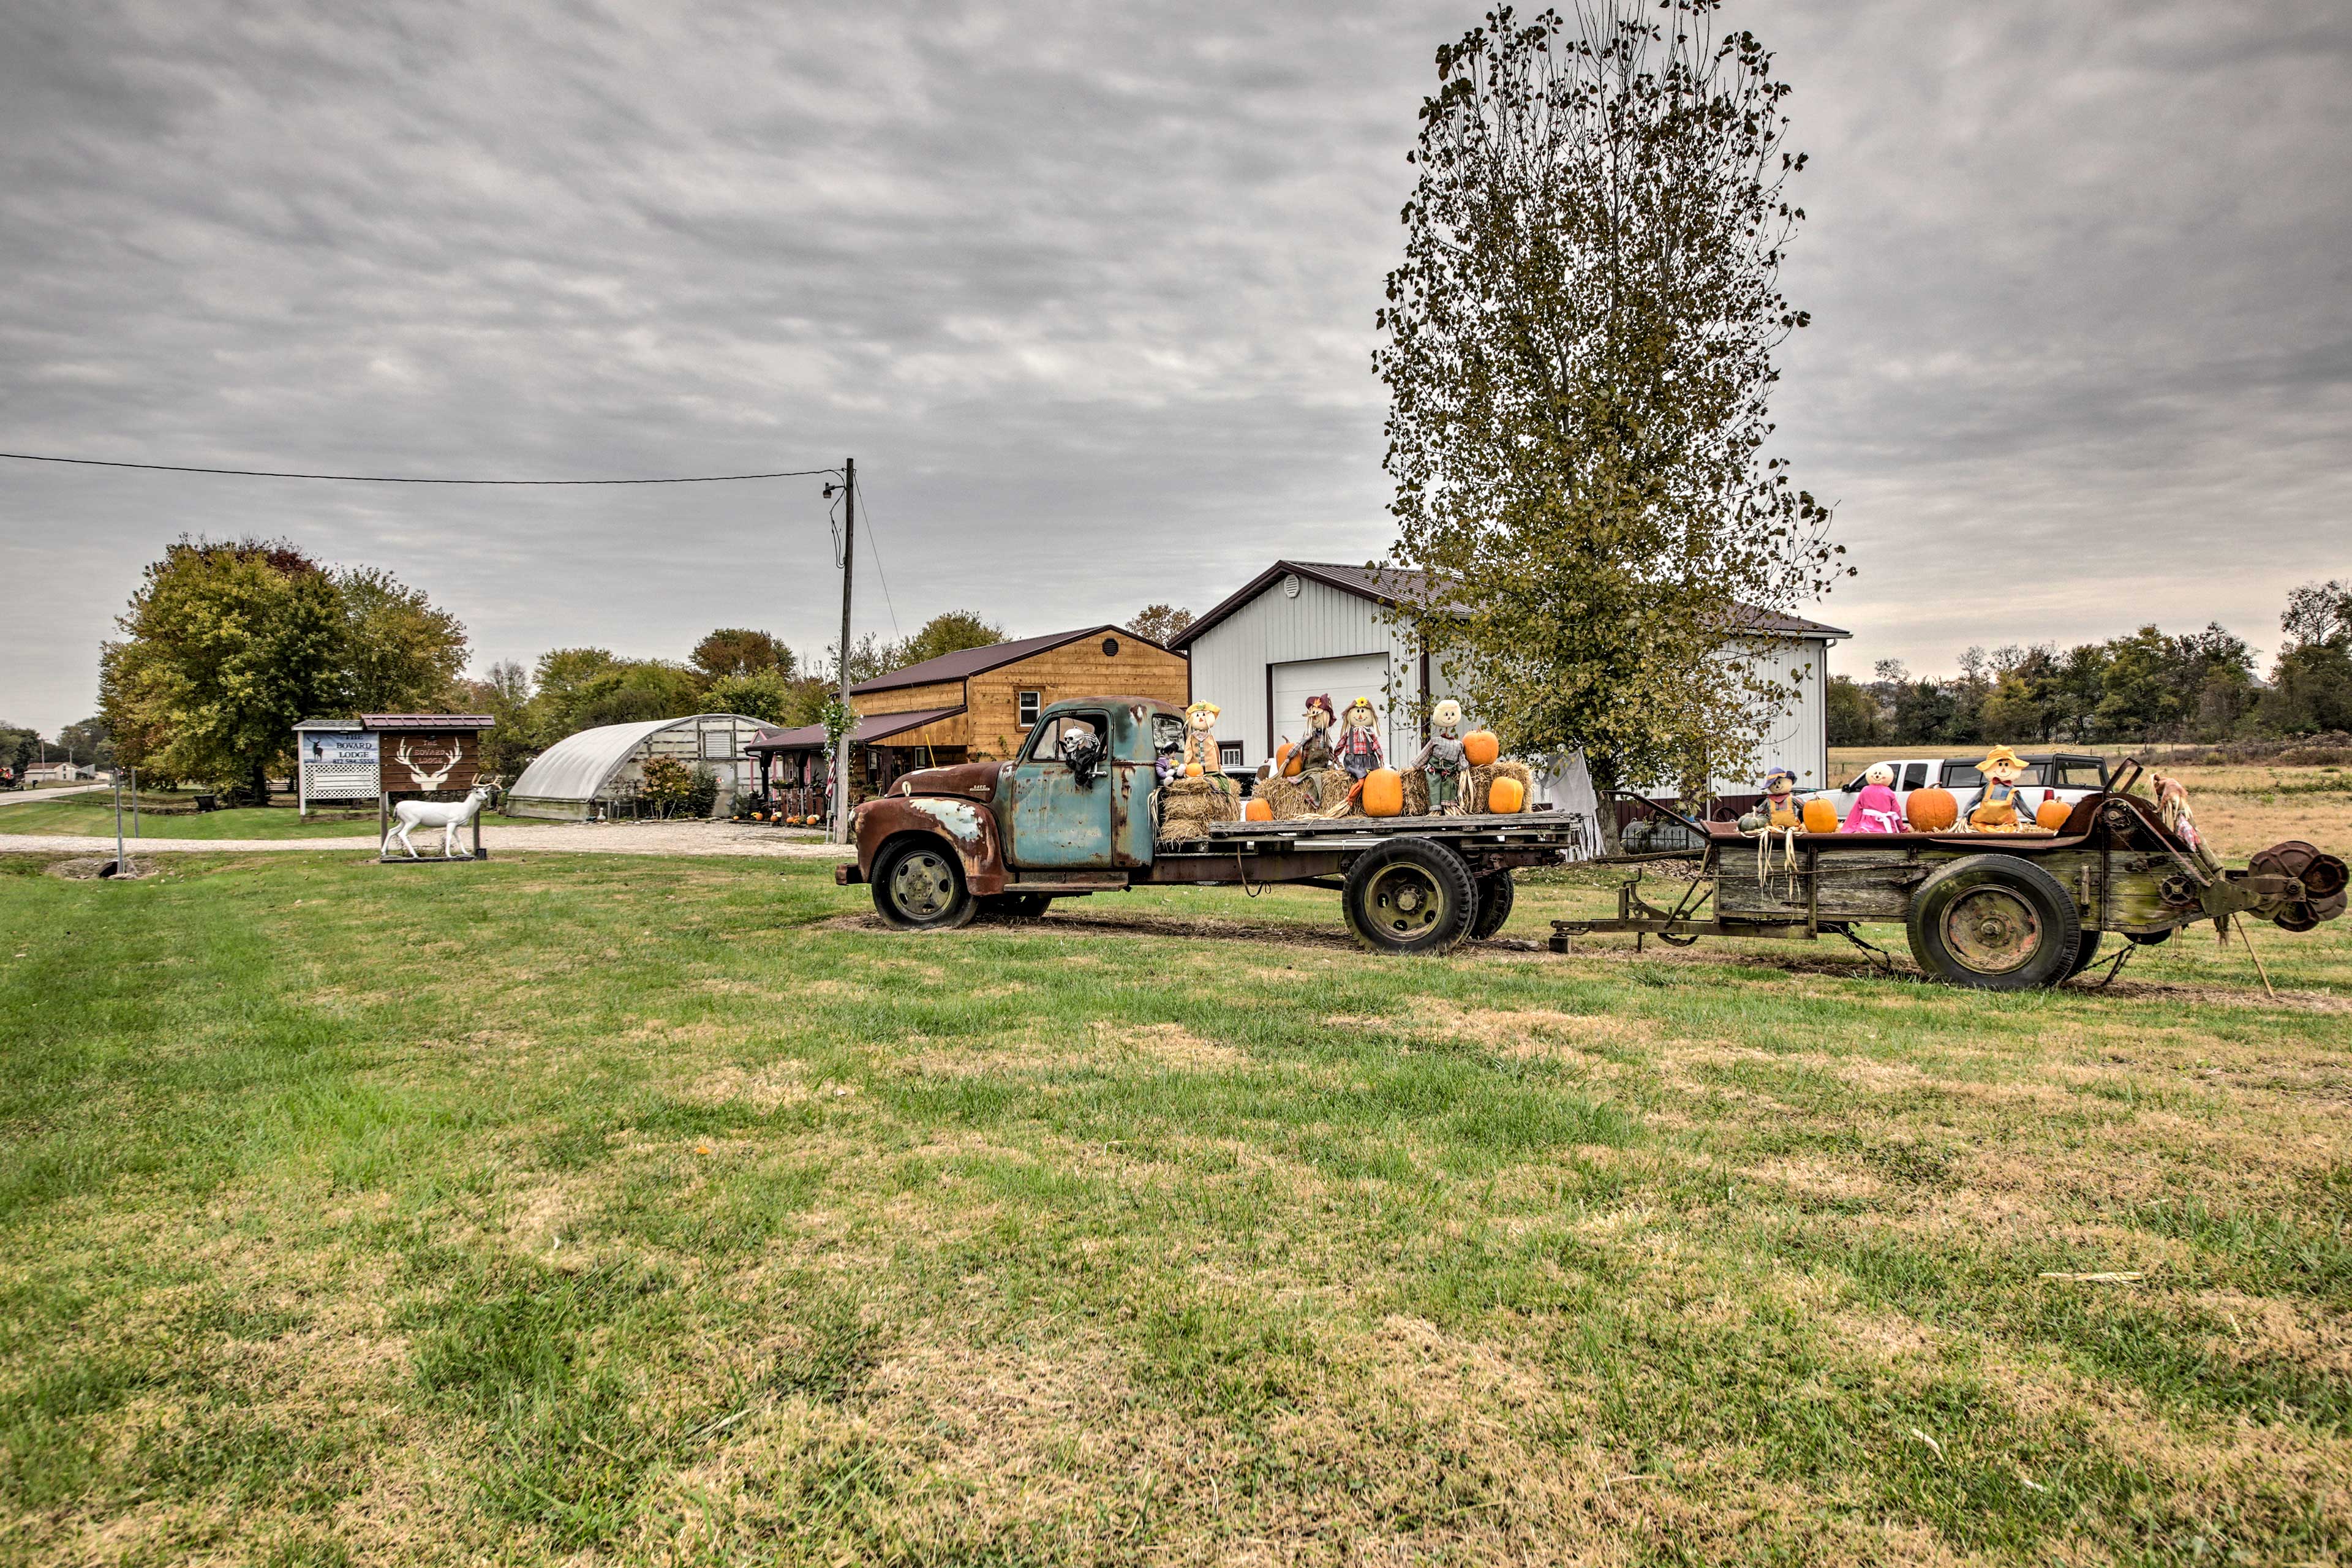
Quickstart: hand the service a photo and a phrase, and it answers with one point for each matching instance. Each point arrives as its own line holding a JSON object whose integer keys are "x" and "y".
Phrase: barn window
{"x": 1030, "y": 702}
{"x": 1229, "y": 754}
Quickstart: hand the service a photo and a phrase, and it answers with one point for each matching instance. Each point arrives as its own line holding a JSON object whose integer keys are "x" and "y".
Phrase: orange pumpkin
{"x": 1258, "y": 810}
{"x": 1820, "y": 817}
{"x": 1191, "y": 770}
{"x": 1931, "y": 810}
{"x": 1481, "y": 747}
{"x": 2054, "y": 812}
{"x": 1383, "y": 793}
{"x": 1506, "y": 795}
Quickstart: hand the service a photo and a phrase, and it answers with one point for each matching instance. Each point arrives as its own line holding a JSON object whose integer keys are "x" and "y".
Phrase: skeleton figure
{"x": 1357, "y": 749}
{"x": 1082, "y": 750}
{"x": 1442, "y": 761}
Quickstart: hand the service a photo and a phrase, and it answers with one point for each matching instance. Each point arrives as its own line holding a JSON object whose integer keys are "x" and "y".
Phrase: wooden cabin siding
{"x": 1079, "y": 668}
{"x": 908, "y": 698}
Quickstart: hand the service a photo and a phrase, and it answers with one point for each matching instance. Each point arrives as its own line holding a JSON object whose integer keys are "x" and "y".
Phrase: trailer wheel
{"x": 1496, "y": 893}
{"x": 1994, "y": 922}
{"x": 919, "y": 885}
{"x": 2084, "y": 951}
{"x": 1410, "y": 896}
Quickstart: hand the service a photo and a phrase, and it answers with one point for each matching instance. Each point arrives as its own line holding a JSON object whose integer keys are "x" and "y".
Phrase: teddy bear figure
{"x": 1357, "y": 749}
{"x": 1442, "y": 761}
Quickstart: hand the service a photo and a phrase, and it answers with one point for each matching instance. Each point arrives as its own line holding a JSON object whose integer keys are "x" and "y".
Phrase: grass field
{"x": 566, "y": 1209}
{"x": 94, "y": 813}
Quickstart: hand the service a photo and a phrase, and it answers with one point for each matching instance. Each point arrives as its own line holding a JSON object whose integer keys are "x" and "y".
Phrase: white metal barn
{"x": 581, "y": 774}
{"x": 1303, "y": 627}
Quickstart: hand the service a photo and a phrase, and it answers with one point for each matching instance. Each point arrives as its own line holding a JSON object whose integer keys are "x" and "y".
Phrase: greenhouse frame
{"x": 597, "y": 772}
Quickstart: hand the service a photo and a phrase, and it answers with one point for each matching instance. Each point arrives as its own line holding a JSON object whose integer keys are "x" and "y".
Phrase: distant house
{"x": 61, "y": 773}
{"x": 976, "y": 705}
{"x": 1304, "y": 628}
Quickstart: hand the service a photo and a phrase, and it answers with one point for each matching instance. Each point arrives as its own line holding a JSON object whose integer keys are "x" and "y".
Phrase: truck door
{"x": 1056, "y": 821}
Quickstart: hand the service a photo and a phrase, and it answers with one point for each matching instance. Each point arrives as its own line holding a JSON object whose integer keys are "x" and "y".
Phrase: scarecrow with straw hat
{"x": 1997, "y": 807}
{"x": 1778, "y": 817}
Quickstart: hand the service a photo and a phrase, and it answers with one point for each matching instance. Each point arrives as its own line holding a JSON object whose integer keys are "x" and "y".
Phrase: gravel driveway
{"x": 746, "y": 838}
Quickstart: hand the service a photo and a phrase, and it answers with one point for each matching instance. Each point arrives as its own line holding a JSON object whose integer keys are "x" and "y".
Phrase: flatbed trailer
{"x": 1993, "y": 912}
{"x": 1009, "y": 837}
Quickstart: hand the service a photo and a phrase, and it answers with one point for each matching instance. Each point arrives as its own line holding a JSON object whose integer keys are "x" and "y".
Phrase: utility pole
{"x": 848, "y": 565}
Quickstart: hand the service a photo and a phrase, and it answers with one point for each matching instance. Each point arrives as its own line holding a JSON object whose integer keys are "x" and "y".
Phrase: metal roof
{"x": 427, "y": 721}
{"x": 970, "y": 661}
{"x": 1404, "y": 585}
{"x": 577, "y": 766}
{"x": 870, "y": 730}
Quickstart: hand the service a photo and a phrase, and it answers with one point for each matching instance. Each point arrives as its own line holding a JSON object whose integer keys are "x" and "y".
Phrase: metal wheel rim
{"x": 922, "y": 885}
{"x": 1405, "y": 902}
{"x": 1991, "y": 931}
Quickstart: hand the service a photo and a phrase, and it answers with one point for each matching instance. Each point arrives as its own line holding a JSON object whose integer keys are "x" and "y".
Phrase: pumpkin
{"x": 1191, "y": 770}
{"x": 1259, "y": 809}
{"x": 1820, "y": 817}
{"x": 1383, "y": 793}
{"x": 2054, "y": 812}
{"x": 1506, "y": 795}
{"x": 1931, "y": 810}
{"x": 1482, "y": 748}
{"x": 1286, "y": 760}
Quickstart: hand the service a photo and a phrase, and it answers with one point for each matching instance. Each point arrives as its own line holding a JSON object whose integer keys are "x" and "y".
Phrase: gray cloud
{"x": 1090, "y": 299}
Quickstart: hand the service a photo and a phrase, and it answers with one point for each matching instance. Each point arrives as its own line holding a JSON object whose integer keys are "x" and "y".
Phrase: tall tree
{"x": 738, "y": 650}
{"x": 1159, "y": 623}
{"x": 950, "y": 631}
{"x": 401, "y": 654}
{"x": 224, "y": 649}
{"x": 1580, "y": 353}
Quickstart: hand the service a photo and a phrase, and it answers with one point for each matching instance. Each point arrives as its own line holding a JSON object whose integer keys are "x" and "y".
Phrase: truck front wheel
{"x": 918, "y": 886}
{"x": 1410, "y": 896}
{"x": 1994, "y": 922}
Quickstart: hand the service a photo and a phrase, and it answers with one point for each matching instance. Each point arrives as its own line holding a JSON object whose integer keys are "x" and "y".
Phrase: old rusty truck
{"x": 1992, "y": 911}
{"x": 1009, "y": 837}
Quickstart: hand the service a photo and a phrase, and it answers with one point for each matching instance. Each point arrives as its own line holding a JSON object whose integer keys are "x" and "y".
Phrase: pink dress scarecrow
{"x": 1876, "y": 809}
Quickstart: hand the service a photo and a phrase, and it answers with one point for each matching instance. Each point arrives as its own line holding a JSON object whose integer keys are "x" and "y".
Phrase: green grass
{"x": 575, "y": 1209}
{"x": 93, "y": 815}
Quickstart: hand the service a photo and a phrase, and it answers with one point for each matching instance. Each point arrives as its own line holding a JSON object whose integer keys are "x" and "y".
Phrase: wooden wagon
{"x": 1994, "y": 911}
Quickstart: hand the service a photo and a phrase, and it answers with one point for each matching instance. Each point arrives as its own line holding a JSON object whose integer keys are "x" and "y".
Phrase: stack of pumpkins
{"x": 1492, "y": 785}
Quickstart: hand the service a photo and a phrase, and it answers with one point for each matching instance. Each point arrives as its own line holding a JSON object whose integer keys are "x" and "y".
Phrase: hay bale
{"x": 1331, "y": 787}
{"x": 1187, "y": 807}
{"x": 1474, "y": 787}
{"x": 1507, "y": 768}
{"x": 1416, "y": 792}
{"x": 1290, "y": 798}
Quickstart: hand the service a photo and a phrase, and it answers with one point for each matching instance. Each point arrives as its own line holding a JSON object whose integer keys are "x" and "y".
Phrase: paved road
{"x": 20, "y": 796}
{"x": 745, "y": 839}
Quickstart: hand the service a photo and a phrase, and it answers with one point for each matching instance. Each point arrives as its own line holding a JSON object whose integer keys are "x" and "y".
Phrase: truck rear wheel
{"x": 1496, "y": 893}
{"x": 1410, "y": 896}
{"x": 1994, "y": 922}
{"x": 2084, "y": 951}
{"x": 918, "y": 886}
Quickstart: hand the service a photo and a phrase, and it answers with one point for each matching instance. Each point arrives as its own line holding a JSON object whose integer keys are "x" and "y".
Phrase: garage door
{"x": 1341, "y": 680}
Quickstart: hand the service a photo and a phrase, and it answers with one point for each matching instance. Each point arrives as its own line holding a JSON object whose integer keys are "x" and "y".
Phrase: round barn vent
{"x": 1290, "y": 586}
{"x": 1110, "y": 648}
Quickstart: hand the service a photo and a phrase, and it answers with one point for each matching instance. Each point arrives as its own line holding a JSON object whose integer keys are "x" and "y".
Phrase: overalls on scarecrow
{"x": 1442, "y": 761}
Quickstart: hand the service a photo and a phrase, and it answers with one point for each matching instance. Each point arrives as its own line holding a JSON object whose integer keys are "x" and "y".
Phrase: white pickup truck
{"x": 2068, "y": 775}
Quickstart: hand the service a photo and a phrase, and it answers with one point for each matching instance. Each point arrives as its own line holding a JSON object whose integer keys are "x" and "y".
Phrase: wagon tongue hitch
{"x": 2293, "y": 885}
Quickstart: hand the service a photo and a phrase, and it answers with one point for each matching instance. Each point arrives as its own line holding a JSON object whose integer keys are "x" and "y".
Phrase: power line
{"x": 404, "y": 479}
{"x": 874, "y": 550}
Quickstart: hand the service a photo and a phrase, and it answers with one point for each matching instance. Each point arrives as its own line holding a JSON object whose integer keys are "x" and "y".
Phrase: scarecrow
{"x": 1876, "y": 809}
{"x": 1997, "y": 807}
{"x": 1313, "y": 753}
{"x": 1201, "y": 759}
{"x": 1776, "y": 816}
{"x": 1357, "y": 750}
{"x": 1442, "y": 761}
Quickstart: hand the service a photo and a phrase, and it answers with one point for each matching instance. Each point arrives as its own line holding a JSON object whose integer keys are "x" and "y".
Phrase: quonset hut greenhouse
{"x": 597, "y": 772}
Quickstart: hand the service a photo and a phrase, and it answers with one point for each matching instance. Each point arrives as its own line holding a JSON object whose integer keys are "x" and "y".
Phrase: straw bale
{"x": 1331, "y": 786}
{"x": 1416, "y": 792}
{"x": 1187, "y": 807}
{"x": 1290, "y": 798}
{"x": 1510, "y": 768}
{"x": 1474, "y": 787}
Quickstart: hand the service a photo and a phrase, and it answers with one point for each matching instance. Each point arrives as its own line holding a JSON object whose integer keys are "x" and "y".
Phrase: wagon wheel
{"x": 1410, "y": 896}
{"x": 1495, "y": 893}
{"x": 2084, "y": 951}
{"x": 1994, "y": 922}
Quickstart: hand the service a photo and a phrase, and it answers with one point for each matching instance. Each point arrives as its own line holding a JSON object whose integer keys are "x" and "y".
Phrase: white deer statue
{"x": 447, "y": 816}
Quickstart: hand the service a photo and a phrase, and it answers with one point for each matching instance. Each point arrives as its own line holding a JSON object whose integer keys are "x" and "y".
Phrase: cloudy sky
{"x": 1088, "y": 293}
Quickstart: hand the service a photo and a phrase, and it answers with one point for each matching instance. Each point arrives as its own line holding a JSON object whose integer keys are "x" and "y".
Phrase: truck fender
{"x": 966, "y": 827}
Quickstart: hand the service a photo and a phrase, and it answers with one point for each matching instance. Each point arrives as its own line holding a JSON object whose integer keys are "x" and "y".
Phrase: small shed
{"x": 583, "y": 776}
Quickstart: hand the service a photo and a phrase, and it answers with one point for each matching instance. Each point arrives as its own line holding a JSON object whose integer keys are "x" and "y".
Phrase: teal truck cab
{"x": 1076, "y": 812}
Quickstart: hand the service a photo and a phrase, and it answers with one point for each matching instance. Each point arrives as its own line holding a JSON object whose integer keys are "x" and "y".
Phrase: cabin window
{"x": 1031, "y": 702}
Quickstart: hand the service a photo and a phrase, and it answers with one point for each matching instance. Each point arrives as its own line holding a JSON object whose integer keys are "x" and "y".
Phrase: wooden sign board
{"x": 419, "y": 761}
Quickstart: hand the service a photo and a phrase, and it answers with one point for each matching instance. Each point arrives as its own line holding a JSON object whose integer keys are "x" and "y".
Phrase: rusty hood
{"x": 969, "y": 781}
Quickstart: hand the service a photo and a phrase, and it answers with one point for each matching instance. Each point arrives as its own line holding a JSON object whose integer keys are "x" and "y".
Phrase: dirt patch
{"x": 1172, "y": 1044}
{"x": 92, "y": 867}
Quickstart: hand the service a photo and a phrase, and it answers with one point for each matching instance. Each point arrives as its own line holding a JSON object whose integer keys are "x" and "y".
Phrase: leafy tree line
{"x": 2146, "y": 685}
